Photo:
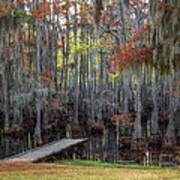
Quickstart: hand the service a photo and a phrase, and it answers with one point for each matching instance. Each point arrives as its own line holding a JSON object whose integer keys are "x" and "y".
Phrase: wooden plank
{"x": 45, "y": 150}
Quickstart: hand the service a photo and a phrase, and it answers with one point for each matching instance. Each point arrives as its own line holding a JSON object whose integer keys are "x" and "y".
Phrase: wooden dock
{"x": 46, "y": 150}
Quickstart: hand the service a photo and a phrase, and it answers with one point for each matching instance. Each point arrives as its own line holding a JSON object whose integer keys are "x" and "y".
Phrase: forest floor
{"x": 50, "y": 171}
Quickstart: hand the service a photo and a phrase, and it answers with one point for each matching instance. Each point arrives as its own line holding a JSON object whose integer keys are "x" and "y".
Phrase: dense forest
{"x": 107, "y": 70}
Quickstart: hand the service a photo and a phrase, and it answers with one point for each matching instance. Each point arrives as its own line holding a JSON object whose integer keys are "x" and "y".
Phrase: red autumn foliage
{"x": 98, "y": 8}
{"x": 42, "y": 11}
{"x": 129, "y": 53}
{"x": 57, "y": 7}
{"x": 85, "y": 14}
{"x": 5, "y": 9}
{"x": 23, "y": 2}
{"x": 140, "y": 3}
{"x": 62, "y": 7}
{"x": 123, "y": 118}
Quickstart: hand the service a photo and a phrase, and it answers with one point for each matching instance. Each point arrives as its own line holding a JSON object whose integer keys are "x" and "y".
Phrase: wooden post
{"x": 29, "y": 141}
